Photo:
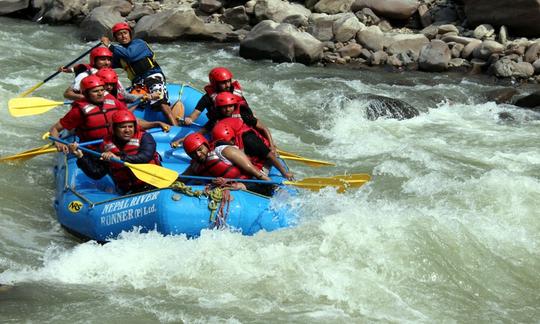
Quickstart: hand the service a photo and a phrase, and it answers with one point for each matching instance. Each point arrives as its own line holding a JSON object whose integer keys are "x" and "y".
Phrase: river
{"x": 448, "y": 230}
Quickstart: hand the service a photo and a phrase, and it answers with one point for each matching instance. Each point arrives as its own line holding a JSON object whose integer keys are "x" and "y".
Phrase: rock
{"x": 536, "y": 66}
{"x": 321, "y": 27}
{"x": 444, "y": 15}
{"x": 460, "y": 39}
{"x": 296, "y": 21}
{"x": 425, "y": 17}
{"x": 483, "y": 31}
{"x": 434, "y": 57}
{"x": 277, "y": 10}
{"x": 430, "y": 32}
{"x": 378, "y": 58}
{"x": 236, "y": 17}
{"x": 394, "y": 61}
{"x": 170, "y": 25}
{"x": 371, "y": 16}
{"x": 280, "y": 43}
{"x": 62, "y": 11}
{"x": 470, "y": 48}
{"x": 11, "y": 6}
{"x": 487, "y": 48}
{"x": 99, "y": 23}
{"x": 350, "y": 50}
{"x": 346, "y": 26}
{"x": 503, "y": 35}
{"x": 333, "y": 6}
{"x": 209, "y": 6}
{"x": 406, "y": 42}
{"x": 506, "y": 68}
{"x": 532, "y": 53}
{"x": 455, "y": 49}
{"x": 477, "y": 66}
{"x": 139, "y": 12}
{"x": 371, "y": 38}
{"x": 445, "y": 29}
{"x": 529, "y": 101}
{"x": 384, "y": 107}
{"x": 365, "y": 54}
{"x": 395, "y": 9}
{"x": 520, "y": 16}
{"x": 500, "y": 96}
{"x": 384, "y": 25}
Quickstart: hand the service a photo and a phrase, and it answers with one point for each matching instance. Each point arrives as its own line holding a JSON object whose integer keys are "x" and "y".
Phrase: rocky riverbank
{"x": 472, "y": 36}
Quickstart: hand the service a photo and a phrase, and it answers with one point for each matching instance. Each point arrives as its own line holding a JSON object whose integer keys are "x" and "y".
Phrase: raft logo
{"x": 75, "y": 206}
{"x": 128, "y": 209}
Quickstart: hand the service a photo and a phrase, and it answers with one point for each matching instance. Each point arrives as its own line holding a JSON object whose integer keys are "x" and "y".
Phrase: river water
{"x": 448, "y": 230}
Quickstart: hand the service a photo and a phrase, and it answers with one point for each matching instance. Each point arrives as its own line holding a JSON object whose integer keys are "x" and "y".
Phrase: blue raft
{"x": 93, "y": 210}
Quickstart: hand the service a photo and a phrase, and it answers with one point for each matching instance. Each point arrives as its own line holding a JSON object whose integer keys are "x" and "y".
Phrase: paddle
{"x": 19, "y": 107}
{"x": 314, "y": 184}
{"x": 41, "y": 150}
{"x": 310, "y": 162}
{"x": 155, "y": 175}
{"x": 27, "y": 92}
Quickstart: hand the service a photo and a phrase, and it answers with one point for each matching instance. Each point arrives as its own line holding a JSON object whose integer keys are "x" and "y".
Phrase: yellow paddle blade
{"x": 317, "y": 183}
{"x": 30, "y": 153}
{"x": 310, "y": 162}
{"x": 155, "y": 175}
{"x": 19, "y": 107}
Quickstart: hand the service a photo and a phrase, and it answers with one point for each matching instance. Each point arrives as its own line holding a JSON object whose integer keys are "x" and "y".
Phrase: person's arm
{"x": 240, "y": 160}
{"x": 146, "y": 151}
{"x": 275, "y": 162}
{"x": 202, "y": 104}
{"x": 55, "y": 132}
{"x": 70, "y": 94}
{"x": 92, "y": 166}
{"x": 153, "y": 124}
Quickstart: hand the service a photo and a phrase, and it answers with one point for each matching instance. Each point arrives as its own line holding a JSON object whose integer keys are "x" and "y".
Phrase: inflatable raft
{"x": 93, "y": 210}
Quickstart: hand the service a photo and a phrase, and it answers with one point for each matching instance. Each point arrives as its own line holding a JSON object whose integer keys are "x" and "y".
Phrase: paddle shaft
{"x": 84, "y": 149}
{"x": 229, "y": 179}
{"x": 24, "y": 94}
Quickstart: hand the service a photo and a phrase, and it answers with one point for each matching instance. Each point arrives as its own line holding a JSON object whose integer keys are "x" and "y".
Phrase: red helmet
{"x": 193, "y": 142}
{"x": 123, "y": 116}
{"x": 219, "y": 74}
{"x": 108, "y": 75}
{"x": 223, "y": 131}
{"x": 91, "y": 82}
{"x": 120, "y": 26}
{"x": 99, "y": 52}
{"x": 226, "y": 99}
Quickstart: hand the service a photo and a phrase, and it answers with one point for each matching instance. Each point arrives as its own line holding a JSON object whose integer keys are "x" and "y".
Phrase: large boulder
{"x": 11, "y": 6}
{"x": 62, "y": 11}
{"x": 506, "y": 68}
{"x": 277, "y": 10}
{"x": 346, "y": 26}
{"x": 170, "y": 25}
{"x": 99, "y": 23}
{"x": 372, "y": 38}
{"x": 385, "y": 107}
{"x": 395, "y": 9}
{"x": 402, "y": 43}
{"x": 520, "y": 16}
{"x": 434, "y": 57}
{"x": 333, "y": 6}
{"x": 280, "y": 43}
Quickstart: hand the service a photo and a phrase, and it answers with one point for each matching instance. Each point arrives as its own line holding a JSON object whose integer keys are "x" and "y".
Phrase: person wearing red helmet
{"x": 114, "y": 87}
{"x": 89, "y": 117}
{"x": 225, "y": 162}
{"x": 128, "y": 143}
{"x": 220, "y": 81}
{"x": 228, "y": 105}
{"x": 138, "y": 60}
{"x": 100, "y": 57}
{"x": 233, "y": 131}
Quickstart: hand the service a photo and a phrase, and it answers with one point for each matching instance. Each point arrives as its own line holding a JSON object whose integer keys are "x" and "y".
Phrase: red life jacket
{"x": 213, "y": 166}
{"x": 240, "y": 128}
{"x": 97, "y": 119}
{"x": 122, "y": 175}
{"x": 237, "y": 90}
